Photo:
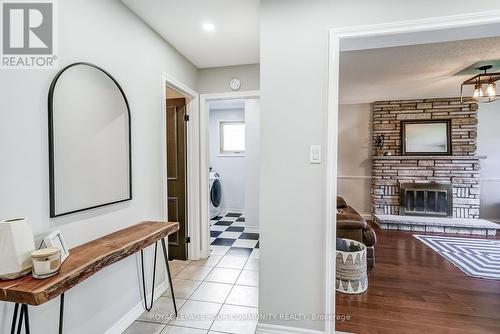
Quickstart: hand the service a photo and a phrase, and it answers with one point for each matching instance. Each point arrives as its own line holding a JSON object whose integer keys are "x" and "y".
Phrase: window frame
{"x": 225, "y": 153}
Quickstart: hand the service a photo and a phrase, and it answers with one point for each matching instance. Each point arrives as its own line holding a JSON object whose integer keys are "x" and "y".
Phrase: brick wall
{"x": 387, "y": 117}
{"x": 461, "y": 169}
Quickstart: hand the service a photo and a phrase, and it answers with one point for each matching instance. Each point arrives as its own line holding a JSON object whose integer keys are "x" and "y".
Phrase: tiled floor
{"x": 215, "y": 295}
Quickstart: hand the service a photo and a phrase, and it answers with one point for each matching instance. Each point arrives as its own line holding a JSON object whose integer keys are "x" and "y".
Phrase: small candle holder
{"x": 46, "y": 262}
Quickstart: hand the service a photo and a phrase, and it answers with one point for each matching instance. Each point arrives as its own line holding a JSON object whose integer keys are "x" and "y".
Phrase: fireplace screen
{"x": 430, "y": 199}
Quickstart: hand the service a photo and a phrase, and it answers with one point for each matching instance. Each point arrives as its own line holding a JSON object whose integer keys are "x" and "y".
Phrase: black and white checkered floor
{"x": 230, "y": 235}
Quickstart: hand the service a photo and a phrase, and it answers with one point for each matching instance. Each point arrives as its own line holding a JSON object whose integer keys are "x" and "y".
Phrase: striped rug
{"x": 475, "y": 257}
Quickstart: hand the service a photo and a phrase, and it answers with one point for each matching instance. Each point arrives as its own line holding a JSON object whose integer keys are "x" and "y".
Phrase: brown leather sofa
{"x": 351, "y": 225}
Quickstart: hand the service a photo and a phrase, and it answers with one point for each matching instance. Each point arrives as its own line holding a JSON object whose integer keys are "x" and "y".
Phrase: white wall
{"x": 216, "y": 79}
{"x": 232, "y": 169}
{"x": 107, "y": 34}
{"x": 488, "y": 138}
{"x": 355, "y": 156}
{"x": 252, "y": 162}
{"x": 294, "y": 84}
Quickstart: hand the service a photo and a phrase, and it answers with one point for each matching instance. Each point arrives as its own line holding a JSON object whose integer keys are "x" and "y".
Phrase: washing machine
{"x": 215, "y": 194}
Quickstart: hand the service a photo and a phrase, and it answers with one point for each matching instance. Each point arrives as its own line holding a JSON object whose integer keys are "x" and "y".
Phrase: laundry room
{"x": 234, "y": 158}
{"x": 234, "y": 155}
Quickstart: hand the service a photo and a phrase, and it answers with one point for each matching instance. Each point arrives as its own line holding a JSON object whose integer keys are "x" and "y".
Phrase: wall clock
{"x": 235, "y": 84}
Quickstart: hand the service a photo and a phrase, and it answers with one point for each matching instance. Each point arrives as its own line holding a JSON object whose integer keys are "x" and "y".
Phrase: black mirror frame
{"x": 51, "y": 141}
{"x": 448, "y": 137}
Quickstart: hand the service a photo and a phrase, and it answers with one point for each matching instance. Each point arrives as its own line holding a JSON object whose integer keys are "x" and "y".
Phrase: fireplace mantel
{"x": 429, "y": 157}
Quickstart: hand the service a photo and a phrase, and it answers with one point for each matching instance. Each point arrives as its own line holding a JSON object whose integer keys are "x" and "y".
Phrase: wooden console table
{"x": 83, "y": 262}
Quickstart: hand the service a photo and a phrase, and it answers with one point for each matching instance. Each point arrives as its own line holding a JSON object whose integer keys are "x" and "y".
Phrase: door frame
{"x": 204, "y": 160}
{"x": 336, "y": 35}
{"x": 192, "y": 166}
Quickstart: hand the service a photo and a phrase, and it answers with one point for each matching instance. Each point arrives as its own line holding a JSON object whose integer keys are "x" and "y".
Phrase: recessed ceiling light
{"x": 208, "y": 26}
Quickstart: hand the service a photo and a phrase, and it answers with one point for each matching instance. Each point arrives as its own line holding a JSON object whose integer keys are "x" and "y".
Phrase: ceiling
{"x": 235, "y": 40}
{"x": 408, "y": 72}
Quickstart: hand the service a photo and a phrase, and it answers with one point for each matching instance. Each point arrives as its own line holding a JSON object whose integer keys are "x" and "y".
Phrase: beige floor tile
{"x": 140, "y": 327}
{"x": 244, "y": 296}
{"x": 212, "y": 292}
{"x": 248, "y": 277}
{"x": 232, "y": 262}
{"x": 196, "y": 273}
{"x": 176, "y": 266}
{"x": 197, "y": 314}
{"x": 162, "y": 311}
{"x": 183, "y": 288}
{"x": 182, "y": 330}
{"x": 236, "y": 319}
{"x": 211, "y": 261}
{"x": 223, "y": 275}
{"x": 252, "y": 264}
{"x": 218, "y": 250}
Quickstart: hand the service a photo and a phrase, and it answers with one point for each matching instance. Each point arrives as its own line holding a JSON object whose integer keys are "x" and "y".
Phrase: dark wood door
{"x": 176, "y": 175}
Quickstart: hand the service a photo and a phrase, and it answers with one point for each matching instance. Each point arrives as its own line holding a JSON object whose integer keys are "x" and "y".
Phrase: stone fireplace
{"x": 440, "y": 185}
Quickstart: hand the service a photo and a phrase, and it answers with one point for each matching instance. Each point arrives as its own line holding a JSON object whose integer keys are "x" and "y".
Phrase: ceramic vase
{"x": 16, "y": 245}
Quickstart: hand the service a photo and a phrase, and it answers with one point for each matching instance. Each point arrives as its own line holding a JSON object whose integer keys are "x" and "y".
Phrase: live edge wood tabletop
{"x": 84, "y": 261}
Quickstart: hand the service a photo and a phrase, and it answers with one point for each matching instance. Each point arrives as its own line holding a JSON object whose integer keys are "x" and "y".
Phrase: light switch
{"x": 315, "y": 154}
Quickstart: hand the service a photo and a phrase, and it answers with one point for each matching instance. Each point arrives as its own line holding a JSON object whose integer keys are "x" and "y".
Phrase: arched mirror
{"x": 89, "y": 140}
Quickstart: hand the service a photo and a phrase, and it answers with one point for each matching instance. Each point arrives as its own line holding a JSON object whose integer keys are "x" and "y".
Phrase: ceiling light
{"x": 486, "y": 80}
{"x": 208, "y": 27}
{"x": 492, "y": 89}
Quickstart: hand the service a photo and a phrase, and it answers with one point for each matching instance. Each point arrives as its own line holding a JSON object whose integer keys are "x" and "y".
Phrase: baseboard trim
{"x": 121, "y": 325}
{"x": 276, "y": 329}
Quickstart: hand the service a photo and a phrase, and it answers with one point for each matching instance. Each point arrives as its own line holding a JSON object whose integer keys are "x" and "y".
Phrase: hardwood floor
{"x": 412, "y": 289}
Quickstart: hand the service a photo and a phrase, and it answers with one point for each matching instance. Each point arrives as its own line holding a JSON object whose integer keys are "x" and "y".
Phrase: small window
{"x": 232, "y": 138}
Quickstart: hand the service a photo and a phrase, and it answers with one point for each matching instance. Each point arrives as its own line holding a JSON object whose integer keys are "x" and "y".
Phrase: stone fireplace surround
{"x": 461, "y": 169}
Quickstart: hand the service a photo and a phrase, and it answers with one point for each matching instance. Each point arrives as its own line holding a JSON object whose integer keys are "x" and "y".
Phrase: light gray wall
{"x": 107, "y": 34}
{"x": 294, "y": 83}
{"x": 216, "y": 79}
{"x": 231, "y": 168}
{"x": 488, "y": 138}
{"x": 354, "y": 156}
{"x": 252, "y": 162}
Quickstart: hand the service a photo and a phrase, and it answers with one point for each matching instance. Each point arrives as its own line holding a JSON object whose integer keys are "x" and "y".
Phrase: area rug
{"x": 475, "y": 257}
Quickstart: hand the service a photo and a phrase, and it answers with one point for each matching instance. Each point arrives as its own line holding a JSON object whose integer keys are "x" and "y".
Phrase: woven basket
{"x": 351, "y": 274}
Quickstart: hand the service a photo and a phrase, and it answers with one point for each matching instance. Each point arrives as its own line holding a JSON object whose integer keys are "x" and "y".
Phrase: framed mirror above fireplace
{"x": 426, "y": 137}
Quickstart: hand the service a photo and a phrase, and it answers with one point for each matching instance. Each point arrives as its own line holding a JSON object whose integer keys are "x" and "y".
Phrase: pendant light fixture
{"x": 485, "y": 89}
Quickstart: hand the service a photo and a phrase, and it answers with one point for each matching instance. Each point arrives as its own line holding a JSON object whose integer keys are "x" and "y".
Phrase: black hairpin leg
{"x": 165, "y": 255}
{"x": 26, "y": 320}
{"x": 150, "y": 306}
{"x": 61, "y": 314}
{"x": 23, "y": 316}
{"x": 14, "y": 319}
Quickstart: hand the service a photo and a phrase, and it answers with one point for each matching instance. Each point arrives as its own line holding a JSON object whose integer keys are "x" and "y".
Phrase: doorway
{"x": 176, "y": 124}
{"x": 234, "y": 158}
{"x": 180, "y": 173}
{"x": 365, "y": 37}
{"x": 230, "y": 158}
